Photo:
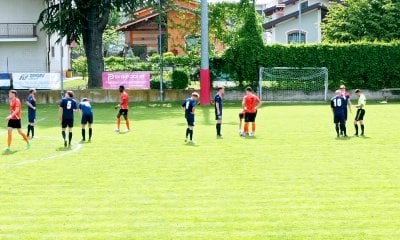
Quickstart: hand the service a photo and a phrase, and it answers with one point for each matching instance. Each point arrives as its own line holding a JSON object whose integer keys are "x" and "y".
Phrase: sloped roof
{"x": 151, "y": 15}
{"x": 295, "y": 14}
{"x": 270, "y": 10}
{"x": 128, "y": 24}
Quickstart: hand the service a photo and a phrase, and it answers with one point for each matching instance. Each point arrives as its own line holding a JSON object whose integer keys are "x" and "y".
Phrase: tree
{"x": 113, "y": 41}
{"x": 245, "y": 52}
{"x": 225, "y": 20}
{"x": 356, "y": 20}
{"x": 86, "y": 20}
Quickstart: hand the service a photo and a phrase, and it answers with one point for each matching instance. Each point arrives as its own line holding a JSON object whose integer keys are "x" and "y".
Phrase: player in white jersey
{"x": 360, "y": 112}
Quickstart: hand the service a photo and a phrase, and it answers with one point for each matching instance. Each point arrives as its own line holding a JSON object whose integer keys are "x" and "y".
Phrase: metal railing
{"x": 18, "y": 30}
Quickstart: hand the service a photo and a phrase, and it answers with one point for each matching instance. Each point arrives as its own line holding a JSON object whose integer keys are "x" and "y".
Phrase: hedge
{"x": 357, "y": 65}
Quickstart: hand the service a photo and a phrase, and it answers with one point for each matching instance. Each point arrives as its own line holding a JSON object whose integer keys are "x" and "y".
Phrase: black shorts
{"x": 250, "y": 117}
{"x": 87, "y": 118}
{"x": 241, "y": 116}
{"x": 14, "y": 123}
{"x": 338, "y": 118}
{"x": 123, "y": 112}
{"x": 190, "y": 120}
{"x": 67, "y": 123}
{"x": 31, "y": 116}
{"x": 218, "y": 117}
{"x": 360, "y": 115}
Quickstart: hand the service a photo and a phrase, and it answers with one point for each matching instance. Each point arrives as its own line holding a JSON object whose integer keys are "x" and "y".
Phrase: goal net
{"x": 293, "y": 84}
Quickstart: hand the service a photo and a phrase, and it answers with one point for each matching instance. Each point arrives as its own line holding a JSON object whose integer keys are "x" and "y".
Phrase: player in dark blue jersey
{"x": 189, "y": 105}
{"x": 338, "y": 105}
{"x": 87, "y": 118}
{"x": 218, "y": 110}
{"x": 66, "y": 111}
{"x": 31, "y": 102}
{"x": 347, "y": 103}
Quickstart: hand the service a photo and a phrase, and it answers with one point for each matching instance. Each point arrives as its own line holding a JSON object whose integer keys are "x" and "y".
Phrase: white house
{"x": 295, "y": 21}
{"x": 24, "y": 47}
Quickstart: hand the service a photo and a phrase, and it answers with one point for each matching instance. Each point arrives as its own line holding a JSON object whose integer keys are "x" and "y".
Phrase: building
{"x": 24, "y": 47}
{"x": 295, "y": 21}
{"x": 180, "y": 31}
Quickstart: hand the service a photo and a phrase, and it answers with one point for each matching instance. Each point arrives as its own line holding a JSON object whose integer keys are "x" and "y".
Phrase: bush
{"x": 155, "y": 84}
{"x": 180, "y": 80}
{"x": 113, "y": 64}
{"x": 142, "y": 66}
{"x": 357, "y": 65}
{"x": 79, "y": 65}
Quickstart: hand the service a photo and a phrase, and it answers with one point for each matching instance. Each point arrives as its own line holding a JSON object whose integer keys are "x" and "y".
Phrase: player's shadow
{"x": 191, "y": 145}
{"x": 364, "y": 137}
{"x": 343, "y": 138}
{"x": 63, "y": 149}
{"x": 8, "y": 152}
{"x": 206, "y": 115}
{"x": 249, "y": 137}
{"x": 122, "y": 133}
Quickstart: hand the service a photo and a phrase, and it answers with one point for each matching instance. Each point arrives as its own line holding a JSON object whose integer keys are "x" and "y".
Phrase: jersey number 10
{"x": 337, "y": 102}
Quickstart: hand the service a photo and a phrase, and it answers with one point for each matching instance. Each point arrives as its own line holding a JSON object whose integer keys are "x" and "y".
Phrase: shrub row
{"x": 358, "y": 65}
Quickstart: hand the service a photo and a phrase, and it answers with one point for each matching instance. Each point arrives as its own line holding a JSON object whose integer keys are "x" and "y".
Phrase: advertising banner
{"x": 36, "y": 80}
{"x": 5, "y": 80}
{"x": 130, "y": 80}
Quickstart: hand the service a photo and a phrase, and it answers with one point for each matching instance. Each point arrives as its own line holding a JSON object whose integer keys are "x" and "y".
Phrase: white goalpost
{"x": 293, "y": 84}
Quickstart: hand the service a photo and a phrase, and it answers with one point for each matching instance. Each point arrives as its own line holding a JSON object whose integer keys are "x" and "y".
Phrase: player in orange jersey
{"x": 250, "y": 105}
{"x": 123, "y": 108}
{"x": 14, "y": 119}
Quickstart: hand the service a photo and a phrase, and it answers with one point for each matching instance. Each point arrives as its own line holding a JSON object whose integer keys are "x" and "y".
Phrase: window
{"x": 296, "y": 37}
{"x": 303, "y": 5}
{"x": 192, "y": 42}
{"x": 139, "y": 51}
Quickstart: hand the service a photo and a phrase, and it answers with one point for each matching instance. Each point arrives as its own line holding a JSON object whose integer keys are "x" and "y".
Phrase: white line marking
{"x": 27, "y": 162}
{"x": 78, "y": 147}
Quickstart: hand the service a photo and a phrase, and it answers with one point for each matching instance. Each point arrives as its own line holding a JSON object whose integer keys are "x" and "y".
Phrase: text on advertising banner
{"x": 130, "y": 80}
{"x": 36, "y": 80}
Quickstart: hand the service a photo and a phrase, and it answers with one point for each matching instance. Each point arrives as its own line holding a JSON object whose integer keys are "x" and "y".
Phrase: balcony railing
{"x": 274, "y": 3}
{"x": 18, "y": 30}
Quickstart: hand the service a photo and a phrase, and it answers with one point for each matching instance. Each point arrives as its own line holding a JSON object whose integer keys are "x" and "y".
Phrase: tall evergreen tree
{"x": 245, "y": 52}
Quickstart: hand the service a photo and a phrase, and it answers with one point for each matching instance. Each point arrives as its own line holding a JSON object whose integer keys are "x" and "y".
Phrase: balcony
{"x": 274, "y": 3}
{"x": 18, "y": 32}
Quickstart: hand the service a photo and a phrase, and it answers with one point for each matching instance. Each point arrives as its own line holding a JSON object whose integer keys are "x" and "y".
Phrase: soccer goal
{"x": 293, "y": 84}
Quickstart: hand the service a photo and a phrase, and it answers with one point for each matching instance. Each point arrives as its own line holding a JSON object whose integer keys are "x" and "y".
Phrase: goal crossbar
{"x": 290, "y": 80}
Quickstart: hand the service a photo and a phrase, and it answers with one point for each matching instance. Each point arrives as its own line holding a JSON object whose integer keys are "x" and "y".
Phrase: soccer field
{"x": 294, "y": 180}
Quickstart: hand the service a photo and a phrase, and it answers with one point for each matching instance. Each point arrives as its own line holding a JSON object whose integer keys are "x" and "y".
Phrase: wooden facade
{"x": 181, "y": 21}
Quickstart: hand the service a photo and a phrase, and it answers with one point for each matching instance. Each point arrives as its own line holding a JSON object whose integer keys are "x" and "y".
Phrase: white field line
{"x": 78, "y": 147}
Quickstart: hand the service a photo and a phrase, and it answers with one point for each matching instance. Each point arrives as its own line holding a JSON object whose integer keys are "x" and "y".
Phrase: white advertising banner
{"x": 36, "y": 80}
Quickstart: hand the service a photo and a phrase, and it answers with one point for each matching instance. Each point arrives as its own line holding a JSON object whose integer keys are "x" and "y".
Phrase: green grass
{"x": 76, "y": 83}
{"x": 294, "y": 180}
